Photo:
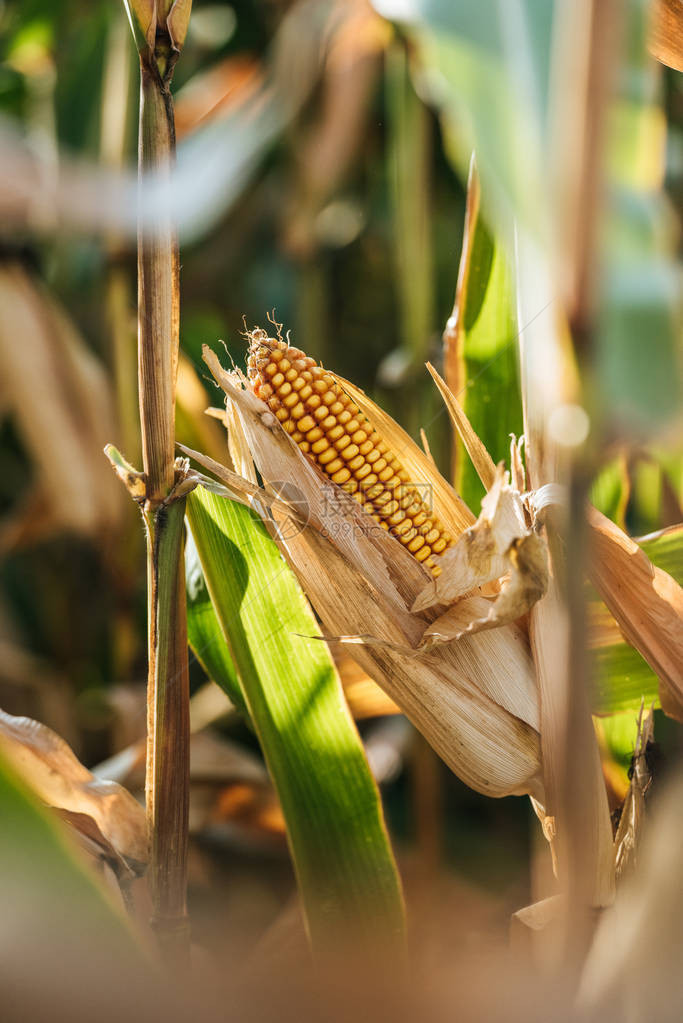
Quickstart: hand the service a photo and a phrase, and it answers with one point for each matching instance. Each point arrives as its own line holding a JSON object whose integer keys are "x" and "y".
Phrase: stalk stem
{"x": 167, "y": 780}
{"x": 168, "y": 731}
{"x": 158, "y": 292}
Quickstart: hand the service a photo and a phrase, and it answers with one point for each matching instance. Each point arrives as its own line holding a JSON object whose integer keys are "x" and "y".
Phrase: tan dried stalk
{"x": 576, "y": 793}
{"x": 159, "y": 29}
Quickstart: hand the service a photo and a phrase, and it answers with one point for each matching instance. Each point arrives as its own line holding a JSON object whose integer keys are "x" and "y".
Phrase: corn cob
{"x": 329, "y": 428}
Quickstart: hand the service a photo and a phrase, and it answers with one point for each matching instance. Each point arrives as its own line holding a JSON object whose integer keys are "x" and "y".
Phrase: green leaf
{"x": 485, "y": 380}
{"x": 342, "y": 857}
{"x": 639, "y": 320}
{"x": 622, "y": 680}
{"x": 204, "y": 632}
{"x": 620, "y": 732}
{"x": 486, "y": 66}
{"x": 45, "y": 889}
{"x": 622, "y": 677}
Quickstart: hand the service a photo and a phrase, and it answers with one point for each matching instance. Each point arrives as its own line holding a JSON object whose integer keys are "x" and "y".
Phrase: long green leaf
{"x": 485, "y": 379}
{"x": 623, "y": 678}
{"x": 341, "y": 852}
{"x": 204, "y": 632}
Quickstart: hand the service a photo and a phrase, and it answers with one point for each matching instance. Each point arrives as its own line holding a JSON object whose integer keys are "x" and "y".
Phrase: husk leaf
{"x": 475, "y": 701}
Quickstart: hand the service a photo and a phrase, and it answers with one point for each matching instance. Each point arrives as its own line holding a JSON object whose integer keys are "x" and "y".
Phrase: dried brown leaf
{"x": 527, "y": 581}
{"x": 363, "y": 695}
{"x": 666, "y": 33}
{"x": 50, "y": 767}
{"x": 646, "y": 602}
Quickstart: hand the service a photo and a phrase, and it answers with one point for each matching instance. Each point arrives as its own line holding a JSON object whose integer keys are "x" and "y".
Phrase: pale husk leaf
{"x": 517, "y": 471}
{"x": 481, "y": 460}
{"x": 489, "y": 748}
{"x": 498, "y": 543}
{"x": 633, "y": 967}
{"x": 527, "y": 564}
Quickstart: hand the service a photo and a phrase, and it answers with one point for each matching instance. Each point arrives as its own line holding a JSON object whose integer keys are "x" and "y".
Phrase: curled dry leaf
{"x": 646, "y": 602}
{"x": 517, "y": 471}
{"x": 49, "y": 766}
{"x": 536, "y": 931}
{"x": 475, "y": 700}
{"x": 498, "y": 544}
{"x": 526, "y": 582}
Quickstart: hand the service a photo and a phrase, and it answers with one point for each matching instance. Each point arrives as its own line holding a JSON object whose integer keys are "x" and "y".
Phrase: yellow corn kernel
{"x": 331, "y": 430}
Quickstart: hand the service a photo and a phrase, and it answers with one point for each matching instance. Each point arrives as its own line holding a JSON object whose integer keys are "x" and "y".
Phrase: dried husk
{"x": 646, "y": 602}
{"x": 499, "y": 544}
{"x": 479, "y": 456}
{"x": 475, "y": 701}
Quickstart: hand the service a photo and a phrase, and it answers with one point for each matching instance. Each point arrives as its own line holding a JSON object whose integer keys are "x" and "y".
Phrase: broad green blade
{"x": 492, "y": 68}
{"x": 204, "y": 633}
{"x": 638, "y": 334}
{"x": 49, "y": 898}
{"x": 623, "y": 678}
{"x": 481, "y": 361}
{"x": 343, "y": 860}
{"x": 487, "y": 65}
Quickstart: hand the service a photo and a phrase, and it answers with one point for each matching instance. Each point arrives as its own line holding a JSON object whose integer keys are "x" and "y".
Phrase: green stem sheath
{"x": 168, "y": 730}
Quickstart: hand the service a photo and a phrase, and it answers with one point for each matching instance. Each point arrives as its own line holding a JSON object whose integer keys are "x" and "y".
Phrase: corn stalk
{"x": 558, "y": 413}
{"x": 159, "y": 30}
